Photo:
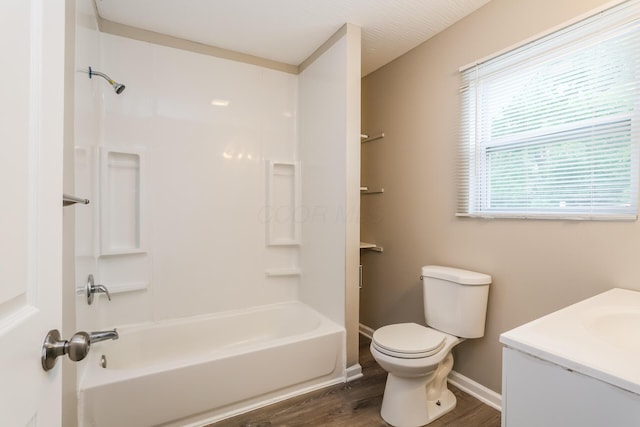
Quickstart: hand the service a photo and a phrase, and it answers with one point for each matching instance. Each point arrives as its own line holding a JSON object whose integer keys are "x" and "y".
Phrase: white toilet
{"x": 418, "y": 358}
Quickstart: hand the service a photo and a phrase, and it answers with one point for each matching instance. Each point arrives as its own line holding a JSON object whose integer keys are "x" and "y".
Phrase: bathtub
{"x": 199, "y": 370}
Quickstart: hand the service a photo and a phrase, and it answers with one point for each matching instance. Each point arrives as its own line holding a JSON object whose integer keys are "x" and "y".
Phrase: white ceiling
{"x": 289, "y": 31}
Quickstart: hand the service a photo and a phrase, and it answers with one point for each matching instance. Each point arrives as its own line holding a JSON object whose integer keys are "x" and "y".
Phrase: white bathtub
{"x": 199, "y": 370}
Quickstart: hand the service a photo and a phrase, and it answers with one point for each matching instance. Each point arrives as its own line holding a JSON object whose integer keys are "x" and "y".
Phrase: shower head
{"x": 118, "y": 87}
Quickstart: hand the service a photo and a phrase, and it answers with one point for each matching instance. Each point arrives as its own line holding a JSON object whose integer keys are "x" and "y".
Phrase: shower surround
{"x": 215, "y": 185}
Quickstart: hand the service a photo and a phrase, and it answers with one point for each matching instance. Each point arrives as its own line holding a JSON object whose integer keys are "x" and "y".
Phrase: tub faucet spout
{"x": 103, "y": 336}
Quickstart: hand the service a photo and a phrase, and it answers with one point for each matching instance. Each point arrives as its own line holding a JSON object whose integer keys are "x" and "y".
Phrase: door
{"x": 31, "y": 141}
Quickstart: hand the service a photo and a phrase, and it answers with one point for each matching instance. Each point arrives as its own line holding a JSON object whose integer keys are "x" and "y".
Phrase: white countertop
{"x": 598, "y": 337}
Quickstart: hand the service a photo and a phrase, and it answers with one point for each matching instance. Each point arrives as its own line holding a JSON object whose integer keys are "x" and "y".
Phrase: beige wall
{"x": 537, "y": 266}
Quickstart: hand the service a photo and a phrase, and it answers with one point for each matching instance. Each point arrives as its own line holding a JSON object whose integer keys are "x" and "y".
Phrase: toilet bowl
{"x": 418, "y": 358}
{"x": 415, "y": 393}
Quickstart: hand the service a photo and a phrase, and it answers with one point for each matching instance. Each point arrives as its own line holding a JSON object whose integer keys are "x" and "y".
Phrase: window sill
{"x": 556, "y": 217}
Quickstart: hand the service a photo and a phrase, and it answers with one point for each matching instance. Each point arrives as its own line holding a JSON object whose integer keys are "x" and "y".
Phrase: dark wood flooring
{"x": 355, "y": 404}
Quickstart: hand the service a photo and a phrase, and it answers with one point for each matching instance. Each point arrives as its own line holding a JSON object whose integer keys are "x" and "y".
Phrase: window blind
{"x": 551, "y": 129}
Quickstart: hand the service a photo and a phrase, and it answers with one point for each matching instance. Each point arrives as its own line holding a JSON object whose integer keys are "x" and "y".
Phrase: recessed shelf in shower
{"x": 121, "y": 201}
{"x": 281, "y": 210}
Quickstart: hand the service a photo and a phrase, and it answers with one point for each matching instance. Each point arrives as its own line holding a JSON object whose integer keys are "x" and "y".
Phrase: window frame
{"x": 474, "y": 187}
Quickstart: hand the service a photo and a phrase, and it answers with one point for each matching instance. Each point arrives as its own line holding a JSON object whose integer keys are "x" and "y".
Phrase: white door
{"x": 31, "y": 141}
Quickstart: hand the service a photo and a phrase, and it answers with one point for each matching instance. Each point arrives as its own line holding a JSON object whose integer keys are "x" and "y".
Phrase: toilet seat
{"x": 408, "y": 341}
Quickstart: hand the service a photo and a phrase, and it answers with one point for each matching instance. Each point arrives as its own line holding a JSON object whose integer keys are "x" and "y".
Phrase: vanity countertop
{"x": 598, "y": 337}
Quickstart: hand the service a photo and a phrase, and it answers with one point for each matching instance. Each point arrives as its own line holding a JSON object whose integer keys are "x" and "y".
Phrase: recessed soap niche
{"x": 124, "y": 263}
{"x": 283, "y": 210}
{"x": 283, "y": 219}
{"x": 121, "y": 201}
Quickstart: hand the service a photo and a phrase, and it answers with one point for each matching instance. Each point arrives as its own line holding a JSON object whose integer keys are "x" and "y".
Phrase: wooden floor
{"x": 356, "y": 404}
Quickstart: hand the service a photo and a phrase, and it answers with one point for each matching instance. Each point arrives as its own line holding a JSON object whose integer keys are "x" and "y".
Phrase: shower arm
{"x": 118, "y": 87}
{"x": 103, "y": 75}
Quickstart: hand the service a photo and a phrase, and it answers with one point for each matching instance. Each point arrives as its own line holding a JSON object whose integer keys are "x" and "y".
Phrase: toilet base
{"x": 417, "y": 401}
{"x": 410, "y": 407}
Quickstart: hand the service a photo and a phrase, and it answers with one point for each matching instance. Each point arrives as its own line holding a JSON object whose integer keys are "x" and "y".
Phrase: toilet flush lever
{"x": 93, "y": 289}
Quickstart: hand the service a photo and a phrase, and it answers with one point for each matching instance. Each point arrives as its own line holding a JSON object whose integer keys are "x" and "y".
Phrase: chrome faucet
{"x": 91, "y": 289}
{"x": 98, "y": 336}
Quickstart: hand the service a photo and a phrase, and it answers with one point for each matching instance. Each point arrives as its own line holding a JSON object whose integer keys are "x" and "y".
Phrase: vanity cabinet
{"x": 578, "y": 366}
{"x": 536, "y": 392}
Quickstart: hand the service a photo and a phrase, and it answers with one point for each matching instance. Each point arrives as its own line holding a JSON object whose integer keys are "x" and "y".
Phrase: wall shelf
{"x": 369, "y": 138}
{"x": 371, "y": 247}
{"x": 366, "y": 190}
{"x": 369, "y": 190}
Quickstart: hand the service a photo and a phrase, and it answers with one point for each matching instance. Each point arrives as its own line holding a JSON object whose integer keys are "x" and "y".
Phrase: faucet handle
{"x": 92, "y": 289}
{"x": 103, "y": 290}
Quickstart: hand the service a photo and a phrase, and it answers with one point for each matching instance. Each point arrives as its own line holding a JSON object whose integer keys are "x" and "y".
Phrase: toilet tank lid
{"x": 456, "y": 275}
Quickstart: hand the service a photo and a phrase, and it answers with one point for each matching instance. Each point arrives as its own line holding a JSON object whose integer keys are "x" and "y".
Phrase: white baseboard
{"x": 366, "y": 331}
{"x": 477, "y": 390}
{"x": 353, "y": 372}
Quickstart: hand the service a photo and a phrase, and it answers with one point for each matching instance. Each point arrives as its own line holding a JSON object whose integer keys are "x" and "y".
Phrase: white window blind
{"x": 550, "y": 129}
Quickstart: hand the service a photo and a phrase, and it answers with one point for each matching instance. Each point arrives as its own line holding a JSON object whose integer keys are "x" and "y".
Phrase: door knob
{"x": 77, "y": 348}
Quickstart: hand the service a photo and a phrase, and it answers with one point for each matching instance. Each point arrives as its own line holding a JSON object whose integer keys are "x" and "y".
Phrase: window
{"x": 551, "y": 129}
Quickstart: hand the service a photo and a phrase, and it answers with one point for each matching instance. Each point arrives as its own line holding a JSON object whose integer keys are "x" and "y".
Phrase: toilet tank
{"x": 455, "y": 300}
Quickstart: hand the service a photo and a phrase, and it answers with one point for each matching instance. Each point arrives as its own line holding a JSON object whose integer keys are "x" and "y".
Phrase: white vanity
{"x": 579, "y": 366}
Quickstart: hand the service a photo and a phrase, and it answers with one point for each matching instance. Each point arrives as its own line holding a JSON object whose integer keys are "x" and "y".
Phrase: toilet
{"x": 418, "y": 358}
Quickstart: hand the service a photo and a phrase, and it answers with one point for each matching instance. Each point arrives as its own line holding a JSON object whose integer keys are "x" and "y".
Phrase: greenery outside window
{"x": 551, "y": 129}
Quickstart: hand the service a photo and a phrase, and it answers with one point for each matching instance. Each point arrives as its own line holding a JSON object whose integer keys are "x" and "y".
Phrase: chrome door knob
{"x": 53, "y": 347}
{"x": 78, "y": 346}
